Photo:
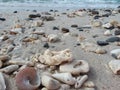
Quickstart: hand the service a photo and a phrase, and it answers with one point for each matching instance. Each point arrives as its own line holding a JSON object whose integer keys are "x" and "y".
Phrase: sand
{"x": 100, "y": 73}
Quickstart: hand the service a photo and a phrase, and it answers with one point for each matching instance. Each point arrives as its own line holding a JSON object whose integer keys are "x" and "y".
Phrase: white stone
{"x": 107, "y": 33}
{"x": 115, "y": 53}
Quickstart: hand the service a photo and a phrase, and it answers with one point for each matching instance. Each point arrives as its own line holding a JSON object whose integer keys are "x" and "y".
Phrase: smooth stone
{"x": 108, "y": 26}
{"x": 55, "y": 28}
{"x": 65, "y": 30}
{"x": 113, "y": 39}
{"x": 117, "y": 32}
{"x": 46, "y": 45}
{"x": 74, "y": 26}
{"x": 115, "y": 66}
{"x": 15, "y": 12}
{"x": 115, "y": 53}
{"x": 47, "y": 18}
{"x": 102, "y": 43}
{"x": 107, "y": 33}
{"x": 34, "y": 15}
{"x": 2, "y": 19}
{"x": 96, "y": 17}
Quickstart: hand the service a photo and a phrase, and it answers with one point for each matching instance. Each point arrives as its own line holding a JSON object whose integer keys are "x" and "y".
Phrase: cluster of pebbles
{"x": 28, "y": 63}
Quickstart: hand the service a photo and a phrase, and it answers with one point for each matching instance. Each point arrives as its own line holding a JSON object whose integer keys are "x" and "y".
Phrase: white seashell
{"x": 89, "y": 84}
{"x": 56, "y": 57}
{"x": 80, "y": 81}
{"x": 2, "y": 82}
{"x": 9, "y": 69}
{"x": 115, "y": 66}
{"x": 53, "y": 38}
{"x": 50, "y": 83}
{"x": 75, "y": 67}
{"x": 65, "y": 78}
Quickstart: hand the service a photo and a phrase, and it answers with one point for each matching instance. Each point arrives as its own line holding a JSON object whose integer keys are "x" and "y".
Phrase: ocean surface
{"x": 60, "y": 3}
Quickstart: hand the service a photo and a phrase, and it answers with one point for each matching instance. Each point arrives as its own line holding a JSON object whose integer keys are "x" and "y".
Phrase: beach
{"x": 91, "y": 35}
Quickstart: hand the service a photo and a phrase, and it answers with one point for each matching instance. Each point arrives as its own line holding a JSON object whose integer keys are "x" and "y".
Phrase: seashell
{"x": 28, "y": 79}
{"x": 65, "y": 78}
{"x": 2, "y": 82}
{"x": 89, "y": 84}
{"x": 50, "y": 83}
{"x": 64, "y": 87}
{"x": 53, "y": 38}
{"x": 75, "y": 67}
{"x": 21, "y": 62}
{"x": 55, "y": 57}
{"x": 9, "y": 69}
{"x": 80, "y": 81}
{"x": 4, "y": 58}
{"x": 115, "y": 66}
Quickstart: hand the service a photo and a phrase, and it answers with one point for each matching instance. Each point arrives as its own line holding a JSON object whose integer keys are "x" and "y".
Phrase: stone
{"x": 53, "y": 38}
{"x": 108, "y": 26}
{"x": 16, "y": 30}
{"x": 46, "y": 45}
{"x": 117, "y": 32}
{"x": 102, "y": 43}
{"x": 115, "y": 53}
{"x": 38, "y": 23}
{"x": 15, "y": 12}
{"x": 89, "y": 84}
{"x": 74, "y": 26}
{"x": 3, "y": 38}
{"x": 34, "y": 15}
{"x": 2, "y": 19}
{"x": 107, "y": 33}
{"x": 97, "y": 24}
{"x": 80, "y": 13}
{"x": 50, "y": 83}
{"x": 115, "y": 66}
{"x": 65, "y": 30}
{"x": 47, "y": 18}
{"x": 113, "y": 39}
{"x": 55, "y": 28}
{"x": 96, "y": 17}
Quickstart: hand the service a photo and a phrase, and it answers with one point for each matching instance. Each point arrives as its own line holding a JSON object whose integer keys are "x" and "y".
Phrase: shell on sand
{"x": 2, "y": 82}
{"x": 53, "y": 38}
{"x": 65, "y": 78}
{"x": 55, "y": 57}
{"x": 75, "y": 67}
{"x": 28, "y": 79}
{"x": 49, "y": 82}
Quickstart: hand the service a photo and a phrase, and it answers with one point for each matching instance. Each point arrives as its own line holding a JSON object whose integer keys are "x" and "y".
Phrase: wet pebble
{"x": 113, "y": 39}
{"x": 2, "y": 19}
{"x": 46, "y": 45}
{"x": 102, "y": 43}
{"x": 34, "y": 15}
{"x": 65, "y": 30}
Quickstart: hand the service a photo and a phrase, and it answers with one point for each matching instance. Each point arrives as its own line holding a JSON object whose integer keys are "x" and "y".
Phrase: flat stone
{"x": 115, "y": 66}
{"x": 2, "y": 19}
{"x": 115, "y": 53}
{"x": 113, "y": 39}
{"x": 34, "y": 15}
{"x": 102, "y": 43}
{"x": 65, "y": 30}
{"x": 74, "y": 26}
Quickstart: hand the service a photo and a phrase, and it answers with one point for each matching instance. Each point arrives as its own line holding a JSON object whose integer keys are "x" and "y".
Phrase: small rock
{"x": 34, "y": 15}
{"x": 97, "y": 24}
{"x": 117, "y": 32}
{"x": 3, "y": 38}
{"x": 2, "y": 19}
{"x": 108, "y": 26}
{"x": 15, "y": 12}
{"x": 53, "y": 38}
{"x": 115, "y": 66}
{"x": 65, "y": 30}
{"x": 38, "y": 23}
{"x": 96, "y": 17}
{"x": 115, "y": 53}
{"x": 74, "y": 26}
{"x": 102, "y": 43}
{"x": 107, "y": 33}
{"x": 55, "y": 28}
{"x": 16, "y": 30}
{"x": 46, "y": 45}
{"x": 47, "y": 18}
{"x": 113, "y": 39}
{"x": 94, "y": 12}
{"x": 80, "y": 13}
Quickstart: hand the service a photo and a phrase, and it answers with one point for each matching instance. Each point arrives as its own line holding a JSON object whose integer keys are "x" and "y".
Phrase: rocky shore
{"x": 60, "y": 50}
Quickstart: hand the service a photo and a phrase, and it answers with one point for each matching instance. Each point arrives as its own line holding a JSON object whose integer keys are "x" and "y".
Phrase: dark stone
{"x": 113, "y": 39}
{"x": 96, "y": 17}
{"x": 74, "y": 26}
{"x": 118, "y": 7}
{"x": 51, "y": 10}
{"x": 34, "y": 15}
{"x": 108, "y": 10}
{"x": 94, "y": 36}
{"x": 80, "y": 29}
{"x": 55, "y": 28}
{"x": 78, "y": 44}
{"x": 2, "y": 19}
{"x": 46, "y": 45}
{"x": 117, "y": 32}
{"x": 105, "y": 15}
{"x": 34, "y": 10}
{"x": 65, "y": 30}
{"x": 94, "y": 12}
{"x": 102, "y": 43}
{"x": 15, "y": 12}
{"x": 47, "y": 18}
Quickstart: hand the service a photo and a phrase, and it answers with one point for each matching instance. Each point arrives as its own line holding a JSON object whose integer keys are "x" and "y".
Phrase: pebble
{"x": 115, "y": 66}
{"x": 117, "y": 32}
{"x": 115, "y": 53}
{"x": 4, "y": 58}
{"x": 2, "y": 19}
{"x": 34, "y": 15}
{"x": 108, "y": 26}
{"x": 46, "y": 45}
{"x": 38, "y": 23}
{"x": 97, "y": 24}
{"x": 74, "y": 26}
{"x": 113, "y": 39}
{"x": 47, "y": 18}
{"x": 65, "y": 30}
{"x": 102, "y": 43}
{"x": 55, "y": 28}
{"x": 107, "y": 33}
